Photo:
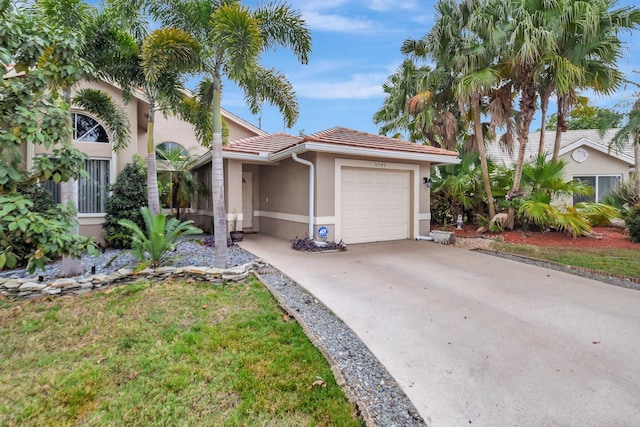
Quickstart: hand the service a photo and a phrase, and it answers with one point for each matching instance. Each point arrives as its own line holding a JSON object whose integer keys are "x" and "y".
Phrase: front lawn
{"x": 619, "y": 262}
{"x": 169, "y": 353}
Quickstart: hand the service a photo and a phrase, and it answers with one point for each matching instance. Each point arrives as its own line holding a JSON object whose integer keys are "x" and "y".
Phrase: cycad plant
{"x": 153, "y": 245}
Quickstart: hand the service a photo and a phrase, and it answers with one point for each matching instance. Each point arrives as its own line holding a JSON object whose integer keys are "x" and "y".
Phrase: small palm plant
{"x": 152, "y": 246}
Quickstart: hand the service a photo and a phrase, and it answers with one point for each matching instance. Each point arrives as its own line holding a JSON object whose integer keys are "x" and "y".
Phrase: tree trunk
{"x": 544, "y": 105}
{"x": 152, "y": 173}
{"x": 563, "y": 107}
{"x": 636, "y": 152}
{"x": 217, "y": 182}
{"x": 69, "y": 193}
{"x": 527, "y": 110}
{"x": 477, "y": 128}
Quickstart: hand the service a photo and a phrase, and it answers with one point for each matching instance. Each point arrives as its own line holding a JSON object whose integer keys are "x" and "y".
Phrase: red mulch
{"x": 605, "y": 237}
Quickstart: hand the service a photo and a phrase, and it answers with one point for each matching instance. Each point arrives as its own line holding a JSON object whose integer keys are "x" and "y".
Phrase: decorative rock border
{"x": 32, "y": 288}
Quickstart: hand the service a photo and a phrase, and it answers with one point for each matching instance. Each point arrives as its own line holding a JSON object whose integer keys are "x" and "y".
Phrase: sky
{"x": 356, "y": 46}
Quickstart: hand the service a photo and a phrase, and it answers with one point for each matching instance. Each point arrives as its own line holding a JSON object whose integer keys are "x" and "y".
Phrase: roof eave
{"x": 434, "y": 159}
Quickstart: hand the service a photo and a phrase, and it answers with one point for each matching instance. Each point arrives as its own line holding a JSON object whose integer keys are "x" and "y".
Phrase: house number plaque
{"x": 380, "y": 164}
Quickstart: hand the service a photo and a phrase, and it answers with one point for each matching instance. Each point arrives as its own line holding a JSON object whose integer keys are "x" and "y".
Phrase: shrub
{"x": 129, "y": 194}
{"x": 152, "y": 244}
{"x": 31, "y": 238}
{"x": 633, "y": 224}
{"x": 309, "y": 245}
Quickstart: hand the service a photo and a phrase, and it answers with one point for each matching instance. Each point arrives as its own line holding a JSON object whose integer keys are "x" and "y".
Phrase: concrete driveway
{"x": 474, "y": 339}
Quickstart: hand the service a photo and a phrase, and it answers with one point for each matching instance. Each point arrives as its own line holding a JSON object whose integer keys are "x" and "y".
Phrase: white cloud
{"x": 336, "y": 23}
{"x": 358, "y": 86}
{"x": 384, "y": 5}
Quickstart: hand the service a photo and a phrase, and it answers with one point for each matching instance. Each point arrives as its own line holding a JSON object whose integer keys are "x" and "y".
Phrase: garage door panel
{"x": 374, "y": 205}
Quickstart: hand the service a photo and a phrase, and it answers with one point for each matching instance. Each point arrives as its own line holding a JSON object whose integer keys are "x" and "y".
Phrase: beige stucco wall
{"x": 597, "y": 163}
{"x": 171, "y": 129}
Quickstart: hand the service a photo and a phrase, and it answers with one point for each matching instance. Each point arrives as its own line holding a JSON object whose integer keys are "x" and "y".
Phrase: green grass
{"x": 179, "y": 353}
{"x": 620, "y": 262}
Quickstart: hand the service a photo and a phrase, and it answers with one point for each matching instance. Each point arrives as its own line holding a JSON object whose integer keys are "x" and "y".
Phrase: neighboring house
{"x": 587, "y": 156}
{"x": 360, "y": 187}
{"x": 104, "y": 164}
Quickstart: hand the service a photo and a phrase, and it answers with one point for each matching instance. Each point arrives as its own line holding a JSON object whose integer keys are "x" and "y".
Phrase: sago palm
{"x": 153, "y": 245}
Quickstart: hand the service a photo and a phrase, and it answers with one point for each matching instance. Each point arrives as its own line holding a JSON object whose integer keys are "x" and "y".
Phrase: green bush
{"x": 633, "y": 224}
{"x": 32, "y": 238}
{"x": 129, "y": 194}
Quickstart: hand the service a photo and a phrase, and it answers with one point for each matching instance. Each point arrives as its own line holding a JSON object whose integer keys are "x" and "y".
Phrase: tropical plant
{"x": 623, "y": 198}
{"x": 183, "y": 186}
{"x": 598, "y": 214}
{"x": 631, "y": 132}
{"x": 235, "y": 38}
{"x": 633, "y": 224}
{"x": 128, "y": 194}
{"x": 457, "y": 190}
{"x": 152, "y": 245}
{"x": 32, "y": 112}
{"x": 155, "y": 62}
{"x": 587, "y": 52}
{"x": 74, "y": 21}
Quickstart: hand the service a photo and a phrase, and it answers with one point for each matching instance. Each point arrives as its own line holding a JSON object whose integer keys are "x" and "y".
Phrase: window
{"x": 86, "y": 129}
{"x": 169, "y": 147}
{"x": 93, "y": 191}
{"x": 602, "y": 185}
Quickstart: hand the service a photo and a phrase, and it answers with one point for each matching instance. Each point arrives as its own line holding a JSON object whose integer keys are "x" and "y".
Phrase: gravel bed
{"x": 189, "y": 251}
{"x": 380, "y": 400}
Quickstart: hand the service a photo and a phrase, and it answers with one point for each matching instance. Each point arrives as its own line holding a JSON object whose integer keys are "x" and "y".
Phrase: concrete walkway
{"x": 474, "y": 339}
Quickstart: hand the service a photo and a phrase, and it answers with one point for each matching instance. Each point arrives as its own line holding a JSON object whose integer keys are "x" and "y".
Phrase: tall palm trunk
{"x": 152, "y": 173}
{"x": 563, "y": 111}
{"x": 69, "y": 194}
{"x": 217, "y": 180}
{"x": 477, "y": 128}
{"x": 544, "y": 106}
{"x": 527, "y": 110}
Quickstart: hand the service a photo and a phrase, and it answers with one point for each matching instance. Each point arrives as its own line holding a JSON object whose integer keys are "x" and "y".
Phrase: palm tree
{"x": 156, "y": 63}
{"x": 235, "y": 38}
{"x": 185, "y": 186}
{"x": 588, "y": 50}
{"x": 458, "y": 44}
{"x": 420, "y": 100}
{"x": 631, "y": 132}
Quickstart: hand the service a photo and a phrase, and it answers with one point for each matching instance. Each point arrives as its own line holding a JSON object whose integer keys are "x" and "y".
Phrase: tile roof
{"x": 271, "y": 143}
{"x": 353, "y": 138}
{"x": 500, "y": 156}
{"x": 337, "y": 136}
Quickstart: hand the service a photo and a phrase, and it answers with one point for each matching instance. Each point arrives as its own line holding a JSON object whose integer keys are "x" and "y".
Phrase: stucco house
{"x": 360, "y": 187}
{"x": 587, "y": 155}
{"x": 104, "y": 164}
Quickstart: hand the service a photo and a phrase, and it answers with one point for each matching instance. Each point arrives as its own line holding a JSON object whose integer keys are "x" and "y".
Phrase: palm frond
{"x": 283, "y": 26}
{"x": 168, "y": 49}
{"x": 115, "y": 119}
{"x": 273, "y": 87}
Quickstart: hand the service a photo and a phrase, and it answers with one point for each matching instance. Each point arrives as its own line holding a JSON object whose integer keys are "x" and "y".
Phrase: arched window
{"x": 87, "y": 129}
{"x": 169, "y": 147}
{"x": 93, "y": 190}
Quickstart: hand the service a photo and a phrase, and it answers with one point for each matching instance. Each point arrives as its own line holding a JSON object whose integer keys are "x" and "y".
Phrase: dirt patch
{"x": 602, "y": 237}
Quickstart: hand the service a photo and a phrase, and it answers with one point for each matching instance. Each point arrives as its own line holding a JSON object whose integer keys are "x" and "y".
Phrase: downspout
{"x": 295, "y": 158}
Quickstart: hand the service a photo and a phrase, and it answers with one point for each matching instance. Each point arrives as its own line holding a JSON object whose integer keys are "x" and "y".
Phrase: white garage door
{"x": 374, "y": 205}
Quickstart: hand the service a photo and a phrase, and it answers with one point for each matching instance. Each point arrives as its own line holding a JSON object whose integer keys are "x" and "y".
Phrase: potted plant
{"x": 443, "y": 235}
{"x": 236, "y": 235}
